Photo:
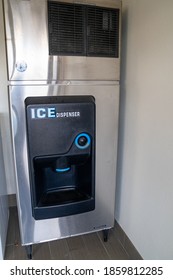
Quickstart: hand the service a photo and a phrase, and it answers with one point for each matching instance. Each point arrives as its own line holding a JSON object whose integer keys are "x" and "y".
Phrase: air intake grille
{"x": 76, "y": 29}
{"x": 66, "y": 29}
{"x": 103, "y": 32}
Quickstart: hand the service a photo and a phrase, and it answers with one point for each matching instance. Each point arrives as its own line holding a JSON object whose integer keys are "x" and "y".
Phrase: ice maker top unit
{"x": 47, "y": 40}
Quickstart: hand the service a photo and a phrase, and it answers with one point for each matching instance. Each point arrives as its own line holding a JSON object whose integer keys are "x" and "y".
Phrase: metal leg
{"x": 105, "y": 235}
{"x": 28, "y": 249}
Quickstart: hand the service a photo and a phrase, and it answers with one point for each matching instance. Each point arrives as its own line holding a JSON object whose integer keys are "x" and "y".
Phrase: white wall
{"x": 144, "y": 205}
{"x": 5, "y": 126}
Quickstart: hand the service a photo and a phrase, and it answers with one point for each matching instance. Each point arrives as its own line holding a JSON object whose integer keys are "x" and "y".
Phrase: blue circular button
{"x": 82, "y": 141}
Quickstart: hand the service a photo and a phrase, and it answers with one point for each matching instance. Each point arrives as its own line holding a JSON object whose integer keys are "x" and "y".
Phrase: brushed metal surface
{"x": 107, "y": 105}
{"x": 4, "y": 214}
{"x": 27, "y": 47}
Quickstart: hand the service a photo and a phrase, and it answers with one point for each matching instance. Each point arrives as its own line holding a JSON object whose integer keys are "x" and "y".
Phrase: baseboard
{"x": 12, "y": 200}
{"x": 126, "y": 243}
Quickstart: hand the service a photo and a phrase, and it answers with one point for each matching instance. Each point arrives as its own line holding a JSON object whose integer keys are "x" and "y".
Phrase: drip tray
{"x": 62, "y": 196}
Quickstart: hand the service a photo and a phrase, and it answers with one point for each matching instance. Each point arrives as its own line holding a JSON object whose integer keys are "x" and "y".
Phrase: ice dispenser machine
{"x": 61, "y": 152}
{"x": 63, "y": 61}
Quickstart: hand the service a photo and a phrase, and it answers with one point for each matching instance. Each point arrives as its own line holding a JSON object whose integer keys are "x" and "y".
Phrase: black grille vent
{"x": 66, "y": 29}
{"x": 103, "y": 32}
{"x": 84, "y": 30}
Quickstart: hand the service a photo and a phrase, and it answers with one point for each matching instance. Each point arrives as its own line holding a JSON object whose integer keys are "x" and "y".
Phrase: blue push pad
{"x": 62, "y": 169}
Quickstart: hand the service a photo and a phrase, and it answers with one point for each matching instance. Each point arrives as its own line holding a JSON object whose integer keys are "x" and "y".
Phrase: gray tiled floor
{"x": 88, "y": 246}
